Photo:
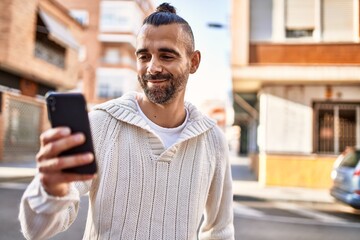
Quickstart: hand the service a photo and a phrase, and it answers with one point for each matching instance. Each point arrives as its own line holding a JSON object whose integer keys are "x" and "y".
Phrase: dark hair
{"x": 165, "y": 14}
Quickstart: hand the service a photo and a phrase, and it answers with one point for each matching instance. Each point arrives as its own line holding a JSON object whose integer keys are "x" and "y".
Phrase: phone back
{"x": 69, "y": 109}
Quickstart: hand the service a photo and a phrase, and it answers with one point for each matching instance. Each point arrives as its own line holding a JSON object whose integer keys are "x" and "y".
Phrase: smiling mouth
{"x": 157, "y": 80}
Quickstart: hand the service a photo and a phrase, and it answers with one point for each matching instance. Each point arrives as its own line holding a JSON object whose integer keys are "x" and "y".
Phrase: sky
{"x": 212, "y": 81}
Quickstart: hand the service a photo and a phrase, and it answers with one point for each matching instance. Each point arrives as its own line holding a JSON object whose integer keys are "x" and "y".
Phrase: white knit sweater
{"x": 143, "y": 191}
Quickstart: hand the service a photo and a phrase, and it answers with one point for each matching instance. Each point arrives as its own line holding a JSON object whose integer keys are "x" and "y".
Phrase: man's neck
{"x": 168, "y": 116}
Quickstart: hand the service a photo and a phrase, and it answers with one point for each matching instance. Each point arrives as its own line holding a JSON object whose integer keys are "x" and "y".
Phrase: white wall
{"x": 286, "y": 115}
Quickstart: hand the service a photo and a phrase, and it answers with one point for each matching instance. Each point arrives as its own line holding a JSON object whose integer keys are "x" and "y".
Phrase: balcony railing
{"x": 51, "y": 54}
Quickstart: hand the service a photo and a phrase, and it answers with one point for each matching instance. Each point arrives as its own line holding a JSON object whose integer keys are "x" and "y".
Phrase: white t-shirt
{"x": 167, "y": 135}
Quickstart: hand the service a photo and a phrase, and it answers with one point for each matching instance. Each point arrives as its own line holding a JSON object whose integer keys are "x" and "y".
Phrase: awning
{"x": 58, "y": 32}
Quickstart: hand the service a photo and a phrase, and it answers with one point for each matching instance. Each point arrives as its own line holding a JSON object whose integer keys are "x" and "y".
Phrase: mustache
{"x": 147, "y": 77}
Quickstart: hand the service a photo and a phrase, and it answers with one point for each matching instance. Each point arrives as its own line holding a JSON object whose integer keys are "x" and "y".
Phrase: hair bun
{"x": 166, "y": 7}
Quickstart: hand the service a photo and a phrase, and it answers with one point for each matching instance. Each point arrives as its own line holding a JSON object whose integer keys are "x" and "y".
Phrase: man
{"x": 162, "y": 165}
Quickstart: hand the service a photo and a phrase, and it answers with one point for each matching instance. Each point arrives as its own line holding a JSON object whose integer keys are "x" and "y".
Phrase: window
{"x": 112, "y": 56}
{"x": 82, "y": 53}
{"x": 82, "y": 16}
{"x": 119, "y": 17}
{"x": 300, "y": 18}
{"x": 113, "y": 82}
{"x": 261, "y": 20}
{"x": 104, "y": 90}
{"x": 305, "y": 20}
{"x": 335, "y": 126}
{"x": 351, "y": 159}
{"x": 299, "y": 33}
{"x": 338, "y": 20}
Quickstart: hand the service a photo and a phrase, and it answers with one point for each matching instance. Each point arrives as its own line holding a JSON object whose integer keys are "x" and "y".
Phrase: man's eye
{"x": 167, "y": 57}
{"x": 143, "y": 57}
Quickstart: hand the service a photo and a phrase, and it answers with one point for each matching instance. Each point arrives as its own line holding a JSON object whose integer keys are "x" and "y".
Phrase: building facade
{"x": 108, "y": 46}
{"x": 296, "y": 80}
{"x": 38, "y": 53}
{"x": 51, "y": 45}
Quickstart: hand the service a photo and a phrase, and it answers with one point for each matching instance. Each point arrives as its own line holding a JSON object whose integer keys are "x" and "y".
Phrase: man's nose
{"x": 154, "y": 66}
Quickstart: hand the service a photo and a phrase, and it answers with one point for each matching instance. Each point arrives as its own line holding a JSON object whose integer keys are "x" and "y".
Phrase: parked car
{"x": 346, "y": 178}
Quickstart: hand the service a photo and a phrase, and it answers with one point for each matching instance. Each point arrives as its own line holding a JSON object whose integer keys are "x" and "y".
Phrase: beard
{"x": 165, "y": 93}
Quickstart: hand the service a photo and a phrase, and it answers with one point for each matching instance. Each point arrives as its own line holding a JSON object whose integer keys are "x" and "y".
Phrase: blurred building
{"x": 108, "y": 46}
{"x": 38, "y": 53}
{"x": 296, "y": 80}
{"x": 67, "y": 45}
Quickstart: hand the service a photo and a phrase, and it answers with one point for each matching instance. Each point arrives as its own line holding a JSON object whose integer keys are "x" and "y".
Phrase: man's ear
{"x": 195, "y": 61}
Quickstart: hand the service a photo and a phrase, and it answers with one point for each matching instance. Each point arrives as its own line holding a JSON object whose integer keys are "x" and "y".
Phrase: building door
{"x": 337, "y": 126}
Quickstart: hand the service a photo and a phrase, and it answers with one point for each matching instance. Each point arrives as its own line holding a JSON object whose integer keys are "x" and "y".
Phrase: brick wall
{"x": 4, "y": 28}
{"x": 20, "y": 19}
{"x": 90, "y": 42}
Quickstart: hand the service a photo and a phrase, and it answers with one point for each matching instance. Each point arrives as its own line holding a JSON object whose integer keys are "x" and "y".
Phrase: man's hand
{"x": 50, "y": 165}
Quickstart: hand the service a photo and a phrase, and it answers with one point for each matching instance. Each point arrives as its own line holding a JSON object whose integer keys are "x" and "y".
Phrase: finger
{"x": 53, "y": 134}
{"x": 60, "y": 163}
{"x": 53, "y": 149}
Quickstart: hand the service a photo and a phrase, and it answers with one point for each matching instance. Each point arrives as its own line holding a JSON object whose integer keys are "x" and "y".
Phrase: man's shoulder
{"x": 124, "y": 109}
{"x": 197, "y": 115}
{"x": 198, "y": 118}
{"x": 127, "y": 100}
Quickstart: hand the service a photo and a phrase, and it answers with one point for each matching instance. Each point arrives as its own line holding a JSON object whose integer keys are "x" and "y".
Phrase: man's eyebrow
{"x": 141, "y": 50}
{"x": 164, "y": 50}
{"x": 169, "y": 50}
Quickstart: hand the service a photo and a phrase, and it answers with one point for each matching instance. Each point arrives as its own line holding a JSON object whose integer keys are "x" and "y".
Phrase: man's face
{"x": 163, "y": 63}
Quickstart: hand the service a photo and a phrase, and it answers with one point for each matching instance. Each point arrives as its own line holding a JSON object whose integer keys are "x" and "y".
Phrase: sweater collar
{"x": 125, "y": 109}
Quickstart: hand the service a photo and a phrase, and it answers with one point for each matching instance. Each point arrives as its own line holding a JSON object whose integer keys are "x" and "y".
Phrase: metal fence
{"x": 22, "y": 124}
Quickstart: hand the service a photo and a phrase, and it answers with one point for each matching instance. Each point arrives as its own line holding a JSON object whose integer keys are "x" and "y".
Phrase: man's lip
{"x": 157, "y": 80}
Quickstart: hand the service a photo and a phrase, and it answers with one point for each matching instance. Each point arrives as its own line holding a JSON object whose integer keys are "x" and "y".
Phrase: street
{"x": 10, "y": 195}
{"x": 287, "y": 213}
{"x": 254, "y": 218}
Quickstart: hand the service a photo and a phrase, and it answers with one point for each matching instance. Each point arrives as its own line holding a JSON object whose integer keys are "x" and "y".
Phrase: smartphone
{"x": 69, "y": 109}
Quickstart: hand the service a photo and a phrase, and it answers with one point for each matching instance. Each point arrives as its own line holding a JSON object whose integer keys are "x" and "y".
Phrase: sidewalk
{"x": 13, "y": 172}
{"x": 245, "y": 185}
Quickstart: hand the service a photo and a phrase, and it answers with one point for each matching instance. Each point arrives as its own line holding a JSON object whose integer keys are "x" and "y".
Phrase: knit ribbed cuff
{"x": 43, "y": 203}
